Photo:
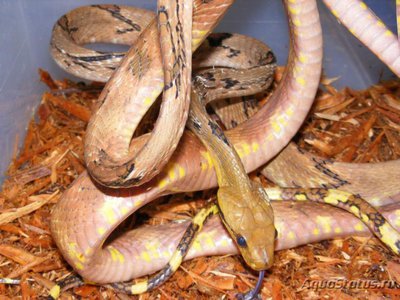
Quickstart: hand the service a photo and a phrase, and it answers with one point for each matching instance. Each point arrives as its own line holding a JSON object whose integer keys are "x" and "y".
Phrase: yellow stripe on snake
{"x": 236, "y": 192}
{"x": 100, "y": 210}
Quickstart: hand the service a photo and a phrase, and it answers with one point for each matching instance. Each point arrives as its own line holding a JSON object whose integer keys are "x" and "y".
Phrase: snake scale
{"x": 99, "y": 210}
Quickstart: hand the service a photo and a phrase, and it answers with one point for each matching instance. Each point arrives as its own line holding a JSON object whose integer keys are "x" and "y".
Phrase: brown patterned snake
{"x": 87, "y": 214}
{"x": 374, "y": 182}
{"x": 122, "y": 162}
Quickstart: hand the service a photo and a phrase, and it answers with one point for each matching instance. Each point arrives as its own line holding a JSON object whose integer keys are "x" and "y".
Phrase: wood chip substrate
{"x": 345, "y": 125}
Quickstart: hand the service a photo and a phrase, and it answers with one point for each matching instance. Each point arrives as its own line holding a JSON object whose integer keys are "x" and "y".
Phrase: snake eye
{"x": 241, "y": 241}
{"x": 276, "y": 234}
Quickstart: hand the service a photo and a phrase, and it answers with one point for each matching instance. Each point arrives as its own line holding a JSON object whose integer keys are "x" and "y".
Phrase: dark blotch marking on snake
{"x": 133, "y": 181}
{"x": 101, "y": 157}
{"x": 208, "y": 76}
{"x": 116, "y": 13}
{"x": 301, "y": 150}
{"x": 122, "y": 31}
{"x": 67, "y": 63}
{"x": 160, "y": 278}
{"x": 377, "y": 219}
{"x": 83, "y": 65}
{"x": 217, "y": 131}
{"x": 196, "y": 123}
{"x": 184, "y": 244}
{"x": 183, "y": 248}
{"x": 229, "y": 82}
{"x": 103, "y": 99}
{"x": 98, "y": 58}
{"x": 245, "y": 107}
{"x": 79, "y": 59}
{"x": 268, "y": 58}
{"x": 216, "y": 39}
{"x": 72, "y": 280}
{"x": 320, "y": 165}
{"x": 140, "y": 66}
{"x": 125, "y": 183}
{"x": 232, "y": 52}
{"x": 352, "y": 202}
{"x": 249, "y": 103}
{"x": 397, "y": 244}
{"x": 129, "y": 169}
{"x": 178, "y": 53}
{"x": 168, "y": 85}
{"x": 204, "y": 80}
{"x": 64, "y": 24}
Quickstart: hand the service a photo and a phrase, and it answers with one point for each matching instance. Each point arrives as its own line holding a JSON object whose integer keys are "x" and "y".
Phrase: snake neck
{"x": 222, "y": 153}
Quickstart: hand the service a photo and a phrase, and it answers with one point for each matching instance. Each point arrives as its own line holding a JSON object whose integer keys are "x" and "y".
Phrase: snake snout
{"x": 261, "y": 250}
{"x": 262, "y": 259}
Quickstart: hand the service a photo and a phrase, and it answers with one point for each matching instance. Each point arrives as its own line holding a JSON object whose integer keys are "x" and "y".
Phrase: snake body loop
{"x": 294, "y": 167}
{"x": 117, "y": 161}
{"x": 352, "y": 203}
{"x": 100, "y": 210}
{"x": 237, "y": 196}
{"x": 124, "y": 25}
{"x": 375, "y": 182}
{"x": 369, "y": 29}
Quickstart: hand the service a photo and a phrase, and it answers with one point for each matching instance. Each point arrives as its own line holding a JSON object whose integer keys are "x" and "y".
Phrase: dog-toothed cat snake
{"x": 88, "y": 213}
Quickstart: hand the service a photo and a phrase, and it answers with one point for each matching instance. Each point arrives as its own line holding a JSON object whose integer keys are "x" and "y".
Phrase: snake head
{"x": 249, "y": 219}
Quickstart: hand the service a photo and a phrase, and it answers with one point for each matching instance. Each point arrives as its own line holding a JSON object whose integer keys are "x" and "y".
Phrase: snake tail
{"x": 182, "y": 249}
{"x": 352, "y": 203}
{"x": 160, "y": 277}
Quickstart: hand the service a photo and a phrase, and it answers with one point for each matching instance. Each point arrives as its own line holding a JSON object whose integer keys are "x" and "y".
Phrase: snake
{"x": 364, "y": 179}
{"x": 233, "y": 180}
{"x": 236, "y": 192}
{"x": 122, "y": 162}
{"x": 367, "y": 178}
{"x": 100, "y": 209}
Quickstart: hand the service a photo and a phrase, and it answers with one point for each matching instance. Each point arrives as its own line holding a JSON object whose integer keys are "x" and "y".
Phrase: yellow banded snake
{"x": 233, "y": 179}
{"x": 254, "y": 216}
{"x": 77, "y": 60}
{"x": 350, "y": 202}
{"x": 123, "y": 162}
{"x": 76, "y": 251}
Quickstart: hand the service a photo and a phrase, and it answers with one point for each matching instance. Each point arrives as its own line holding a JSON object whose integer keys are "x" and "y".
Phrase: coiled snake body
{"x": 100, "y": 210}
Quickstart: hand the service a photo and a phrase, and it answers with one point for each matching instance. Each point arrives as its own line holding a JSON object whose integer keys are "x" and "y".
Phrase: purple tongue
{"x": 254, "y": 293}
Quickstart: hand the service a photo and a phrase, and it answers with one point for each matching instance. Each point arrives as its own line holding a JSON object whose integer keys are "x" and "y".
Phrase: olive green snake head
{"x": 251, "y": 226}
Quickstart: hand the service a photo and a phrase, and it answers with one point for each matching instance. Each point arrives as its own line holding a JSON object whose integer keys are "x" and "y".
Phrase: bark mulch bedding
{"x": 346, "y": 125}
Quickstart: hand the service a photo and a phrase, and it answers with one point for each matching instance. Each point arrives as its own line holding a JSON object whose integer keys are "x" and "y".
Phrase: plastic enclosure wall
{"x": 26, "y": 27}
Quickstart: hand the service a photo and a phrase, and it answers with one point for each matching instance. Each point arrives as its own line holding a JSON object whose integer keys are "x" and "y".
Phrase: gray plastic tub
{"x": 25, "y": 27}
